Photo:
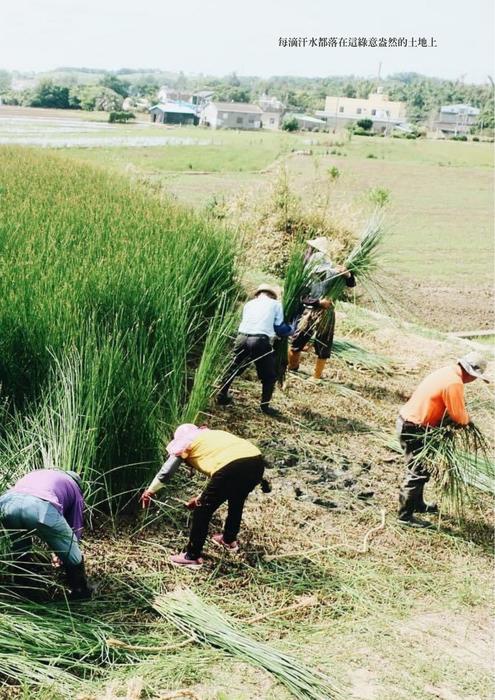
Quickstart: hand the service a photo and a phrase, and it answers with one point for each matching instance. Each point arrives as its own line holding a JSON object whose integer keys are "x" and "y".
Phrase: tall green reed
{"x": 106, "y": 298}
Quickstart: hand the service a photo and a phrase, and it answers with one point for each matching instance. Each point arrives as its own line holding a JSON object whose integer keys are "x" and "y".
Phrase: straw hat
{"x": 267, "y": 289}
{"x": 474, "y": 364}
{"x": 321, "y": 244}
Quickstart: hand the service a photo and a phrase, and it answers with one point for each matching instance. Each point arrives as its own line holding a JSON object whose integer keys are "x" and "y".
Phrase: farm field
{"x": 440, "y": 198}
{"x": 117, "y": 309}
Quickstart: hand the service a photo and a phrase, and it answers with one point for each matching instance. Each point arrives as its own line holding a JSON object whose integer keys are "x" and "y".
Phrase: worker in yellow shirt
{"x": 438, "y": 397}
{"x": 235, "y": 467}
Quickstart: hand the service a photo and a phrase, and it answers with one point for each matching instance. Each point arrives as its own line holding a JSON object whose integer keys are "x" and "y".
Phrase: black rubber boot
{"x": 408, "y": 499}
{"x": 266, "y": 395}
{"x": 77, "y": 582}
{"x": 421, "y": 506}
{"x": 415, "y": 523}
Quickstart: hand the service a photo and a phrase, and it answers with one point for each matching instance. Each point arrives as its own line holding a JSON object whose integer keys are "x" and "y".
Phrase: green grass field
{"x": 221, "y": 152}
{"x": 439, "y": 216}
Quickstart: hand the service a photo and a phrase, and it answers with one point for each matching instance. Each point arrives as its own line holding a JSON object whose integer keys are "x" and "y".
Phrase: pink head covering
{"x": 184, "y": 436}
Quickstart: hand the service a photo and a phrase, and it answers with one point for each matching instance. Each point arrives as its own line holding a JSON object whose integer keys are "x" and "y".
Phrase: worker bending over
{"x": 235, "y": 466}
{"x": 254, "y": 344}
{"x": 440, "y": 395}
{"x": 48, "y": 503}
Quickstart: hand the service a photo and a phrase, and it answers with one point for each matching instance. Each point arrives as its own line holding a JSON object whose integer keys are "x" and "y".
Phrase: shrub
{"x": 120, "y": 117}
{"x": 334, "y": 172}
{"x": 459, "y": 137}
{"x": 290, "y": 124}
{"x": 371, "y": 155}
{"x": 365, "y": 124}
{"x": 379, "y": 196}
{"x": 476, "y": 138}
{"x": 359, "y": 131}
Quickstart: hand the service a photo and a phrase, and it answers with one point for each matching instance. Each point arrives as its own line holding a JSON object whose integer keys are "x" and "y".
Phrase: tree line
{"x": 423, "y": 95}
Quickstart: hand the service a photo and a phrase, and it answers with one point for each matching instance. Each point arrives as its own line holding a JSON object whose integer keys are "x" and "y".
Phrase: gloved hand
{"x": 146, "y": 498}
{"x": 56, "y": 561}
{"x": 193, "y": 503}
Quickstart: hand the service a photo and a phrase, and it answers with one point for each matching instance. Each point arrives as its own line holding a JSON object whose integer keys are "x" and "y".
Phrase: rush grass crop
{"x": 108, "y": 302}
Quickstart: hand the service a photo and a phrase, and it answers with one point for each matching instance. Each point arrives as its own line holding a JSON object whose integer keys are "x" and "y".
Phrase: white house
{"x": 456, "y": 119}
{"x": 385, "y": 114}
{"x": 231, "y": 115}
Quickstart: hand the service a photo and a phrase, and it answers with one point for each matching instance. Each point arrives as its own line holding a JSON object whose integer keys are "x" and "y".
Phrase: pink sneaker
{"x": 183, "y": 560}
{"x": 220, "y": 542}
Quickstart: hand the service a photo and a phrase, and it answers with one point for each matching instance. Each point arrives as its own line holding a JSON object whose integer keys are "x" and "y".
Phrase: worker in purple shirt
{"x": 49, "y": 503}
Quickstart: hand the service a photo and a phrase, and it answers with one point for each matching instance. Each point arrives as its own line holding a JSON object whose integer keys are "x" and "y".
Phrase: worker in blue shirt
{"x": 254, "y": 344}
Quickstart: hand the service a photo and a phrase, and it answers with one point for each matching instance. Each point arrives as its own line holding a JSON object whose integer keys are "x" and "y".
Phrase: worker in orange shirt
{"x": 440, "y": 395}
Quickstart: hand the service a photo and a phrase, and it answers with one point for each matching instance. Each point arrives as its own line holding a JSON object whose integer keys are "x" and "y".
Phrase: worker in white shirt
{"x": 254, "y": 344}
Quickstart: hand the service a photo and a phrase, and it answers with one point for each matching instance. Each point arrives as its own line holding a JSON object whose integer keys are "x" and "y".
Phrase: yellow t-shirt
{"x": 214, "y": 449}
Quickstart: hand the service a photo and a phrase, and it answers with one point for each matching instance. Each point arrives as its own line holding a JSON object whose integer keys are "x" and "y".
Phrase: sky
{"x": 218, "y": 37}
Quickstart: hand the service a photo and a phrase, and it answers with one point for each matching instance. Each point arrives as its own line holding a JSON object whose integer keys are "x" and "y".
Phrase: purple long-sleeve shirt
{"x": 60, "y": 490}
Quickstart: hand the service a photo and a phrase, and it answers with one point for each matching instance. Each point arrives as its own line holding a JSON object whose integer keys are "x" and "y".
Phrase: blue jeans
{"x": 25, "y": 516}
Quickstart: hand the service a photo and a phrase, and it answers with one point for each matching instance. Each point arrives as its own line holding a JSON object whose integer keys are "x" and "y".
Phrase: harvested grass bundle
{"x": 363, "y": 261}
{"x": 53, "y": 645}
{"x": 457, "y": 457}
{"x": 355, "y": 355}
{"x": 190, "y": 614}
{"x": 297, "y": 278}
{"x": 452, "y": 456}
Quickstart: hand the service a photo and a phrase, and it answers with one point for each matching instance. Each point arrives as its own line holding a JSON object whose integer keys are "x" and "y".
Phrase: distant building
{"x": 166, "y": 94}
{"x": 202, "y": 97}
{"x": 231, "y": 115}
{"x": 273, "y": 111}
{"x": 385, "y": 114}
{"x": 457, "y": 119}
{"x": 304, "y": 121}
{"x": 173, "y": 113}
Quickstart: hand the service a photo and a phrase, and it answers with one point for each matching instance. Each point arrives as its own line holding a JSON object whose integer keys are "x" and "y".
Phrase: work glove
{"x": 193, "y": 503}
{"x": 146, "y": 498}
{"x": 56, "y": 561}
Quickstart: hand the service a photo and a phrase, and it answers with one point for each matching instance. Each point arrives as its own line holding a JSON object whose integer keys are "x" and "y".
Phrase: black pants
{"x": 411, "y": 438}
{"x": 232, "y": 483}
{"x": 317, "y": 325}
{"x": 255, "y": 349}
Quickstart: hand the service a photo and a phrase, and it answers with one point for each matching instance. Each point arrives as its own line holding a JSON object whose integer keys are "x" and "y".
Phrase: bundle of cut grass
{"x": 52, "y": 645}
{"x": 457, "y": 457}
{"x": 297, "y": 278}
{"x": 190, "y": 614}
{"x": 358, "y": 356}
{"x": 363, "y": 261}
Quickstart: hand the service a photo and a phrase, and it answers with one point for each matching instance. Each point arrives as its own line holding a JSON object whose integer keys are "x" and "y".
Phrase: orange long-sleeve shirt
{"x": 440, "y": 392}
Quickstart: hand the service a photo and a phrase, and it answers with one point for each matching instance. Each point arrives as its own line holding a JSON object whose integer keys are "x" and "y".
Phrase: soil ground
{"x": 409, "y": 617}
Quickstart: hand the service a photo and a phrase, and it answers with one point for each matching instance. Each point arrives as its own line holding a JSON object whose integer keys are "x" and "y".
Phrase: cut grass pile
{"x": 204, "y": 622}
{"x": 113, "y": 307}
